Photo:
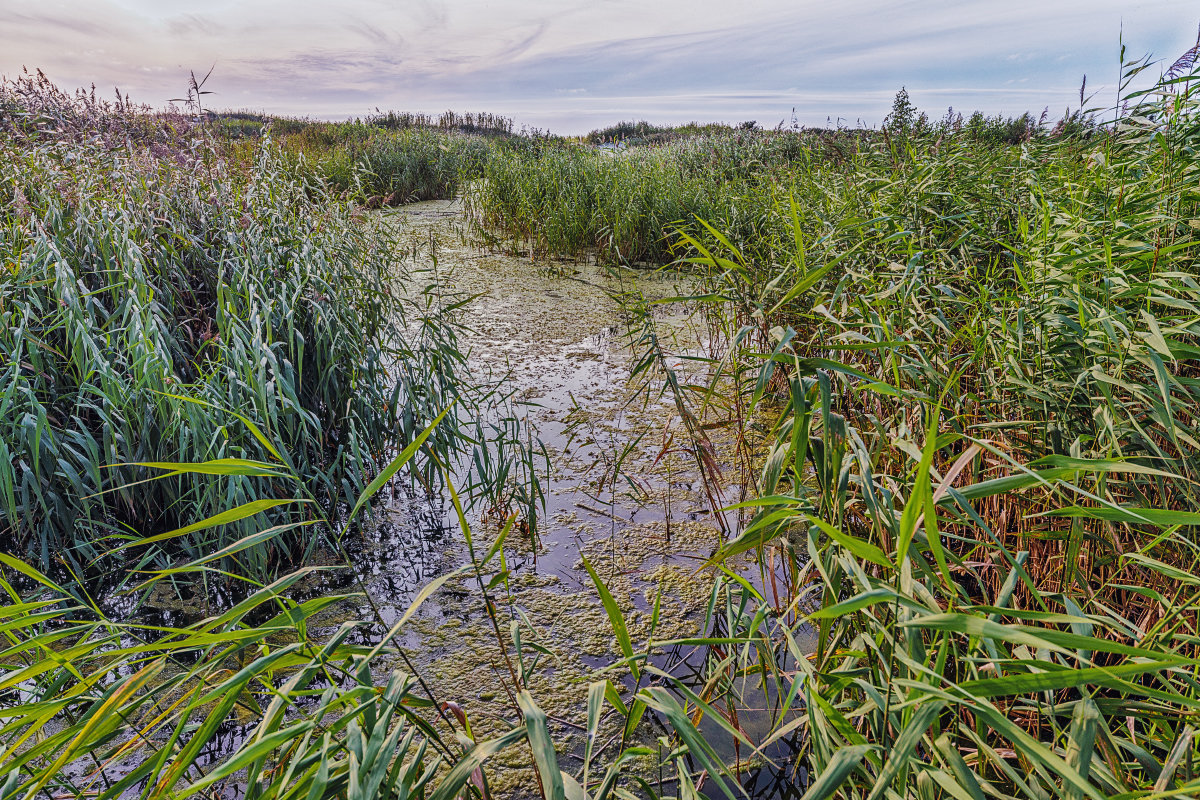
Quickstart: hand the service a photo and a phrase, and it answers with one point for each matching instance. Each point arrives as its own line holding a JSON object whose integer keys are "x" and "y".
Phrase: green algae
{"x": 619, "y": 496}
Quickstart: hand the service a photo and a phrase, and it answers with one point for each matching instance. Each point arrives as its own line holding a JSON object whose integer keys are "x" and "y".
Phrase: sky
{"x": 574, "y": 65}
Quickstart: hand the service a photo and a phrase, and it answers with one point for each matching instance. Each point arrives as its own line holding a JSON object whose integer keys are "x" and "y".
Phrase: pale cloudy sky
{"x": 572, "y": 65}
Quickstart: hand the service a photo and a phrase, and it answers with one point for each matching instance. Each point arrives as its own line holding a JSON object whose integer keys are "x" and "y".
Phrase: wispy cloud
{"x": 186, "y": 25}
{"x": 48, "y": 25}
{"x": 569, "y": 63}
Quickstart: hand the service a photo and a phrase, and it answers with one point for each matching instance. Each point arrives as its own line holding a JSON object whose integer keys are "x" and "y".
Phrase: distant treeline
{"x": 643, "y": 132}
{"x": 242, "y": 123}
{"x": 904, "y": 118}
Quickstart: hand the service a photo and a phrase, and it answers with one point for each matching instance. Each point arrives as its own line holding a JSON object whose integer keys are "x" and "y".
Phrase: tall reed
{"x": 149, "y": 293}
{"x": 978, "y": 368}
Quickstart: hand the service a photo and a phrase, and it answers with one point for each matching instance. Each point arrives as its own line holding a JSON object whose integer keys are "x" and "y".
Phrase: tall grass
{"x": 386, "y": 159}
{"x": 978, "y": 368}
{"x": 975, "y": 366}
{"x": 108, "y": 708}
{"x": 574, "y": 201}
{"x": 208, "y": 374}
{"x": 147, "y": 300}
{"x": 380, "y": 168}
{"x": 626, "y": 206}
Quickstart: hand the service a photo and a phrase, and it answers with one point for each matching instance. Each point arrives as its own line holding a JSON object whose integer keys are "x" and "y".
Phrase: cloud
{"x": 550, "y": 64}
{"x": 193, "y": 24}
{"x": 49, "y": 26}
{"x": 375, "y": 35}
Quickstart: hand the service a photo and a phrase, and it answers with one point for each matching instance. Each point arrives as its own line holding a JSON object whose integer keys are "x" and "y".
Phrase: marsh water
{"x": 618, "y": 490}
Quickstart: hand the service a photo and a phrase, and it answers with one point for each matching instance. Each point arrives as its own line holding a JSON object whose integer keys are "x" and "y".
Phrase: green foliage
{"x": 482, "y": 122}
{"x": 139, "y": 706}
{"x": 978, "y": 500}
{"x": 389, "y": 158}
{"x": 146, "y": 302}
{"x": 625, "y": 206}
{"x": 973, "y": 355}
{"x": 623, "y": 131}
{"x": 903, "y": 115}
{"x": 420, "y": 165}
{"x": 643, "y": 132}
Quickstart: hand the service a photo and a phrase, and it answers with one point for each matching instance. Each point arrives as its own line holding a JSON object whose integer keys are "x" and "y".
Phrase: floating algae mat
{"x": 616, "y": 493}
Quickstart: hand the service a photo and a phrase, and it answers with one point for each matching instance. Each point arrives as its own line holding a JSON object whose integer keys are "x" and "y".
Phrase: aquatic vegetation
{"x": 393, "y": 167}
{"x": 626, "y": 206}
{"x": 962, "y": 367}
{"x": 570, "y": 200}
{"x": 152, "y": 298}
{"x": 979, "y": 503}
{"x": 250, "y": 695}
{"x": 387, "y": 159}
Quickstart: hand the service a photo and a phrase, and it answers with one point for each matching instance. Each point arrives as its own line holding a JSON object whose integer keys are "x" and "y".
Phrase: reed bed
{"x": 393, "y": 167}
{"x": 211, "y": 367}
{"x": 973, "y": 359}
{"x": 151, "y": 296}
{"x": 978, "y": 370}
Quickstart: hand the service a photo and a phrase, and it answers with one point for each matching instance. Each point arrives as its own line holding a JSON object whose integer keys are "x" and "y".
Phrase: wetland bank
{"x": 414, "y": 458}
